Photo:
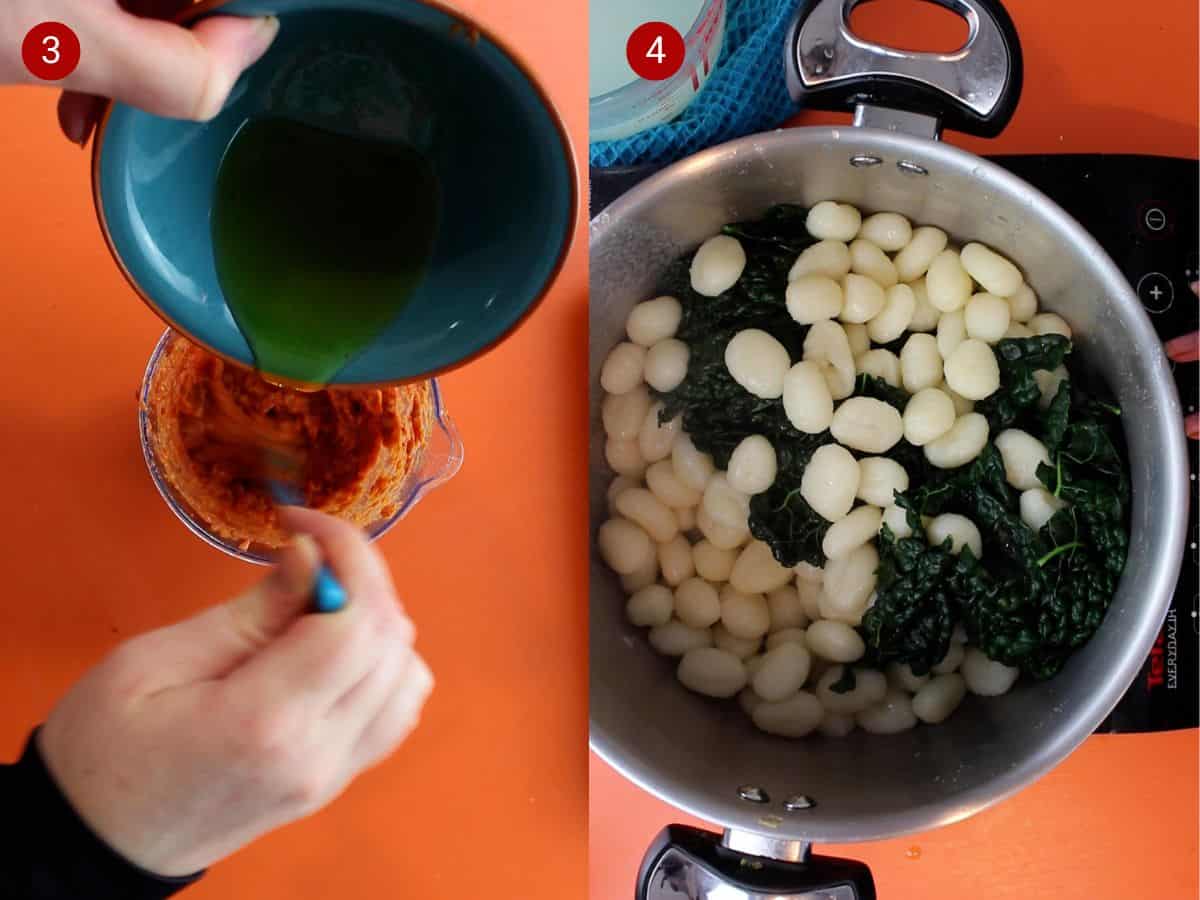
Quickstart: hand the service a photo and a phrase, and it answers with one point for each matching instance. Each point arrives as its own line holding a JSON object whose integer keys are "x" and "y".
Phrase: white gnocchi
{"x": 756, "y": 571}
{"x": 830, "y": 481}
{"x": 711, "y": 671}
{"x": 697, "y": 604}
{"x": 986, "y": 317}
{"x": 794, "y": 717}
{"x": 752, "y": 465}
{"x": 962, "y": 443}
{"x": 807, "y": 400}
{"x": 959, "y": 530}
{"x": 893, "y": 319}
{"x": 868, "y": 260}
{"x": 887, "y": 230}
{"x": 666, "y": 365}
{"x": 879, "y": 480}
{"x": 1038, "y": 507}
{"x": 623, "y": 368}
{"x": 717, "y": 265}
{"x": 1022, "y": 454}
{"x": 915, "y": 257}
{"x": 939, "y": 697}
{"x": 928, "y": 415}
{"x": 744, "y": 615}
{"x": 812, "y": 298}
{"x": 947, "y": 282}
{"x": 920, "y": 363}
{"x": 830, "y": 259}
{"x": 758, "y": 362}
{"x": 654, "y": 321}
{"x": 995, "y": 273}
{"x": 651, "y": 606}
{"x": 986, "y": 677}
{"x": 867, "y": 424}
{"x": 833, "y": 221}
{"x": 891, "y": 715}
{"x": 849, "y": 582}
{"x": 972, "y": 371}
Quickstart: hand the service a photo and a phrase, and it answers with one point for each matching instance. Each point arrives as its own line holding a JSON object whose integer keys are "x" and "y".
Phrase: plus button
{"x": 1156, "y": 292}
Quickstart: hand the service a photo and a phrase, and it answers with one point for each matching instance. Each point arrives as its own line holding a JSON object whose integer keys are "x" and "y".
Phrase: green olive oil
{"x": 320, "y": 240}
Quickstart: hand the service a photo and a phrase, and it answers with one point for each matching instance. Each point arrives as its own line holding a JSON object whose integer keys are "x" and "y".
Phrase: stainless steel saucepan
{"x": 775, "y": 797}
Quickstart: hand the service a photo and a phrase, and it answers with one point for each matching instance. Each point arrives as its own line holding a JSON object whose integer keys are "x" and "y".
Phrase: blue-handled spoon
{"x": 328, "y": 594}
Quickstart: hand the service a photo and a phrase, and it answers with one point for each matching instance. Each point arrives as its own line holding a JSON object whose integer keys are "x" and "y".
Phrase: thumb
{"x": 215, "y": 642}
{"x": 162, "y": 68}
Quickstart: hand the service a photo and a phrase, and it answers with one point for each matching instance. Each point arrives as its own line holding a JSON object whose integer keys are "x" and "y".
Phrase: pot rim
{"x": 1172, "y": 468}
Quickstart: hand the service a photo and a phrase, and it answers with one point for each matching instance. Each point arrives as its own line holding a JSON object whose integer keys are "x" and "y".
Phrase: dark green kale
{"x": 845, "y": 682}
{"x": 779, "y": 516}
{"x": 780, "y": 229}
{"x": 1037, "y": 596}
{"x": 878, "y": 389}
{"x": 1018, "y": 359}
{"x": 916, "y": 605}
{"x": 1050, "y": 589}
{"x": 1057, "y": 417}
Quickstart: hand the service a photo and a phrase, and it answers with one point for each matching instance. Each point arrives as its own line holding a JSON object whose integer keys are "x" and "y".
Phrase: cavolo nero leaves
{"x": 916, "y": 603}
{"x": 780, "y": 231}
{"x": 1037, "y": 596}
{"x": 1019, "y": 359}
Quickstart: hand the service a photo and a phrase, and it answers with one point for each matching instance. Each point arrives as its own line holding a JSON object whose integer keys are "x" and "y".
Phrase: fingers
{"x": 358, "y": 566}
{"x": 215, "y": 642}
{"x": 265, "y": 611}
{"x": 1185, "y": 348}
{"x": 160, "y": 67}
{"x": 320, "y": 658}
{"x": 359, "y": 706}
{"x": 398, "y": 716}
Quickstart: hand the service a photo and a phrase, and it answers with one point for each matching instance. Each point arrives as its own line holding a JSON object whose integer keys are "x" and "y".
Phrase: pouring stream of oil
{"x": 320, "y": 240}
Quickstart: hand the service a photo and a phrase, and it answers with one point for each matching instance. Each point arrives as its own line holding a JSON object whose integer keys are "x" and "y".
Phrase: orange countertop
{"x": 491, "y": 790}
{"x": 1118, "y": 819}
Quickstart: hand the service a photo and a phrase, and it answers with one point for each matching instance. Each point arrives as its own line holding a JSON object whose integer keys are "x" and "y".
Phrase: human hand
{"x": 130, "y": 54}
{"x": 189, "y": 742}
{"x": 1183, "y": 350}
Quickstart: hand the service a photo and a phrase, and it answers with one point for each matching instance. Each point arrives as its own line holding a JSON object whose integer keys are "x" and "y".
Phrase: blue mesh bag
{"x": 746, "y": 92}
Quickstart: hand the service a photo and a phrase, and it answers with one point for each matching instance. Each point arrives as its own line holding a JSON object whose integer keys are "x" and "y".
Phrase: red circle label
{"x": 655, "y": 51}
{"x": 51, "y": 51}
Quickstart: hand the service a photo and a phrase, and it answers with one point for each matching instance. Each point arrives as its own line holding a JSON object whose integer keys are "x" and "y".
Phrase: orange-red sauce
{"x": 219, "y": 432}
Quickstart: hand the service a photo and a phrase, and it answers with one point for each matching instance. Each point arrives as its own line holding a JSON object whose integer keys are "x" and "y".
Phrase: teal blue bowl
{"x": 390, "y": 69}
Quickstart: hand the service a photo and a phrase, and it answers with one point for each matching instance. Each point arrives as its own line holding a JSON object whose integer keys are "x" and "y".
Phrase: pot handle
{"x": 974, "y": 89}
{"x": 687, "y": 863}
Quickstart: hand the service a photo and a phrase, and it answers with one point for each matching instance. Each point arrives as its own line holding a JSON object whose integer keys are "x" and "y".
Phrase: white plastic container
{"x": 622, "y": 103}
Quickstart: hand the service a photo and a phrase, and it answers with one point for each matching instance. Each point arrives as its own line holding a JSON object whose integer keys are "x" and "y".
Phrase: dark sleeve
{"x": 48, "y": 853}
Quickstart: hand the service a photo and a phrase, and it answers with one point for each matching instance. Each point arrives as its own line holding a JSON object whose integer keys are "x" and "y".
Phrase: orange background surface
{"x": 1118, "y": 819}
{"x": 488, "y": 798}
